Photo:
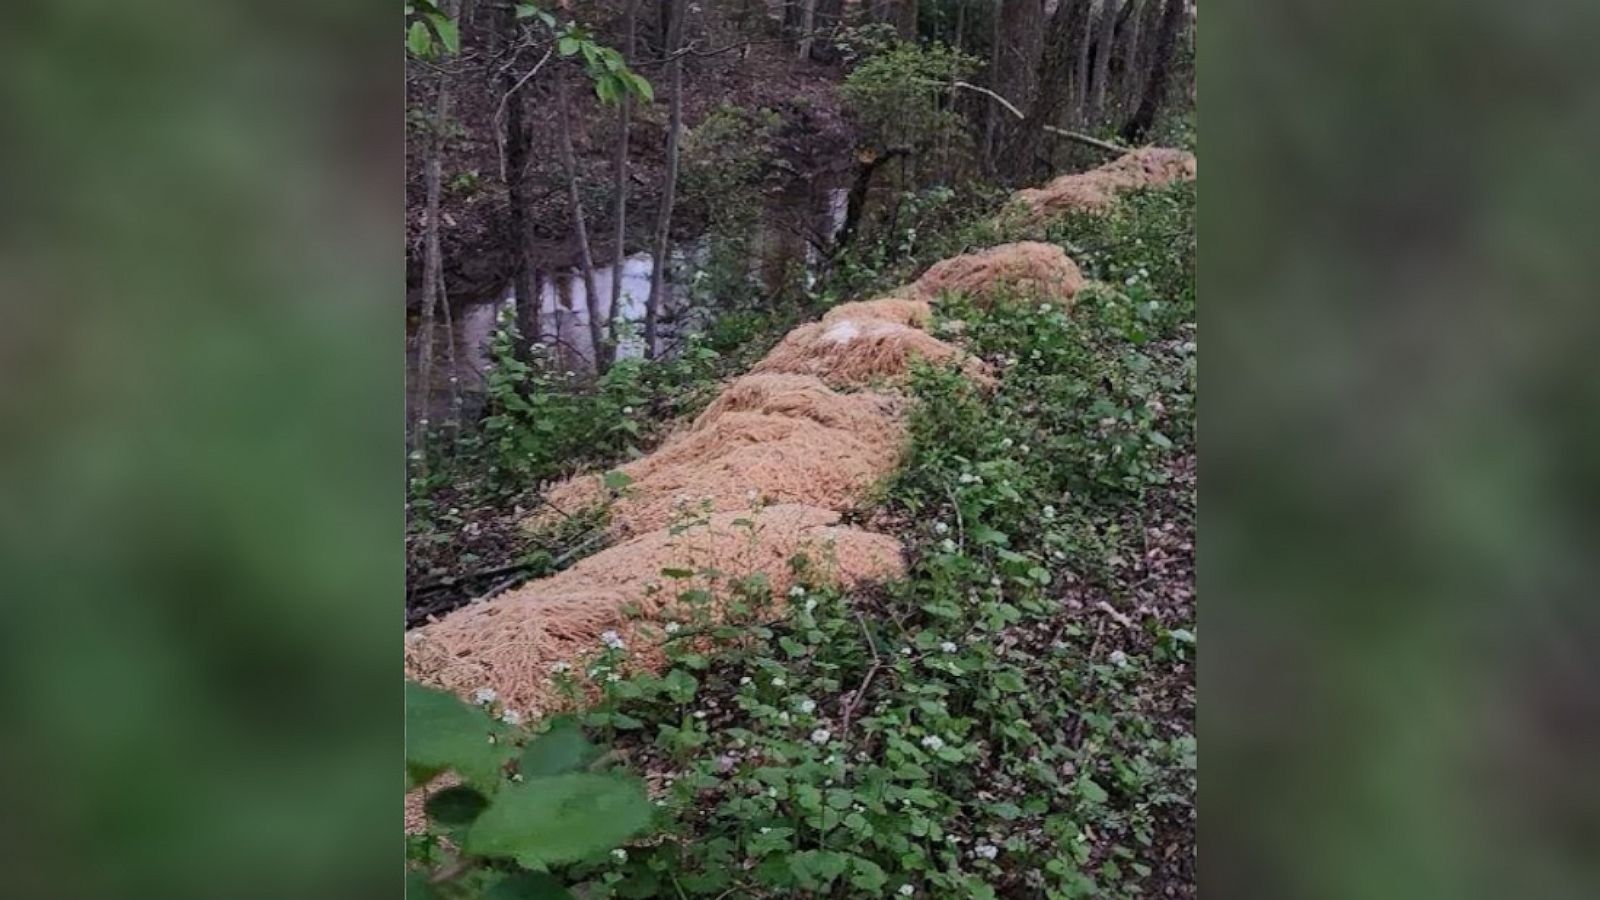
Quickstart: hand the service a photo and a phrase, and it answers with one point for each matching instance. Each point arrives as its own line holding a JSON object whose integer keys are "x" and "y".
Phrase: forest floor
{"x": 1022, "y": 701}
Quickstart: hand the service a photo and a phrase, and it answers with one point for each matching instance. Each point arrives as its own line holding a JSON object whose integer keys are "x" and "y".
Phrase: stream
{"x": 791, "y": 225}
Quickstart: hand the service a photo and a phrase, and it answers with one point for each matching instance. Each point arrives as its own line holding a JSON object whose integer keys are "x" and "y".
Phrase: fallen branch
{"x": 1084, "y": 139}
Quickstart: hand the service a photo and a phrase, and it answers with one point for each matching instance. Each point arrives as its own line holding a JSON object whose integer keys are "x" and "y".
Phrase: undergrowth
{"x": 1015, "y": 717}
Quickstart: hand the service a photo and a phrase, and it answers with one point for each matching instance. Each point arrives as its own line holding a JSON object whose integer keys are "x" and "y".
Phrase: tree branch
{"x": 1061, "y": 132}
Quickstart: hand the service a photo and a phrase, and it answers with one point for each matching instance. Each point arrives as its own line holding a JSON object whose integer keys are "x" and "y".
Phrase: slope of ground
{"x": 1014, "y": 717}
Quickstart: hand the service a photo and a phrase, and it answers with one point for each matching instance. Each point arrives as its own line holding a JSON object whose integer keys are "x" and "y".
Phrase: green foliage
{"x": 725, "y": 160}
{"x": 896, "y": 94}
{"x": 430, "y": 33}
{"x": 547, "y": 809}
{"x": 962, "y": 733}
{"x": 612, "y": 78}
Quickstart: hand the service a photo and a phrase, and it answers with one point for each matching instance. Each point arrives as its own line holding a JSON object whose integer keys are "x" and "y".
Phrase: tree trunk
{"x": 1103, "y": 46}
{"x": 580, "y": 227}
{"x": 620, "y": 180}
{"x": 1134, "y": 77}
{"x": 905, "y": 19}
{"x": 515, "y": 151}
{"x": 857, "y": 199}
{"x": 1155, "y": 90}
{"x": 1082, "y": 32}
{"x": 432, "y": 255}
{"x": 1019, "y": 48}
{"x": 669, "y": 189}
{"x": 1055, "y": 66}
{"x": 829, "y": 15}
{"x": 808, "y": 23}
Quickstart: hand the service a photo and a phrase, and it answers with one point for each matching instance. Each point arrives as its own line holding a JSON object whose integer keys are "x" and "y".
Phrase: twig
{"x": 1062, "y": 132}
{"x": 860, "y": 692}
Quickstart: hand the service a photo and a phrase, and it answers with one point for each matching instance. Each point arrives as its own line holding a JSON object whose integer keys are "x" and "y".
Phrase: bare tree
{"x": 1103, "y": 42}
{"x": 669, "y": 188}
{"x": 1055, "y": 66}
{"x": 432, "y": 255}
{"x": 1018, "y": 41}
{"x": 1155, "y": 89}
{"x": 514, "y": 155}
{"x": 808, "y": 23}
{"x": 580, "y": 227}
{"x": 620, "y": 180}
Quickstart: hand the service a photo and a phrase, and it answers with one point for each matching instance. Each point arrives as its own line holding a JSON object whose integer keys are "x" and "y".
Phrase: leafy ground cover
{"x": 1013, "y": 719}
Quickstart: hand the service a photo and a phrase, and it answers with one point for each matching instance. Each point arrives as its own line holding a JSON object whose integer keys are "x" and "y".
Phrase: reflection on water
{"x": 792, "y": 233}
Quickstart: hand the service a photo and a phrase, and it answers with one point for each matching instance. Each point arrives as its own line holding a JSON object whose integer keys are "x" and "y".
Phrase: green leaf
{"x": 567, "y": 46}
{"x": 419, "y": 40}
{"x": 616, "y": 480}
{"x": 605, "y": 87}
{"x": 642, "y": 87}
{"x": 444, "y": 733}
{"x": 457, "y": 805}
{"x": 559, "y": 819}
{"x": 1092, "y": 792}
{"x": 528, "y": 886}
{"x": 680, "y": 686}
{"x": 558, "y": 751}
{"x": 449, "y": 33}
{"x": 867, "y": 875}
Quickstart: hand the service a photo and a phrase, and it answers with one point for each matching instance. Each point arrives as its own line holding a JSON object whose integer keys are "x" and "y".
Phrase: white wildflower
{"x": 627, "y": 410}
{"x": 941, "y": 528}
{"x": 797, "y": 591}
{"x": 1044, "y": 307}
{"x": 751, "y": 495}
{"x": 744, "y": 681}
{"x": 1049, "y": 512}
{"x": 987, "y": 851}
{"x": 784, "y": 718}
{"x": 811, "y": 604}
{"x": 808, "y": 706}
{"x": 947, "y": 545}
{"x": 511, "y": 717}
{"x": 620, "y": 854}
{"x": 673, "y": 628}
{"x": 907, "y": 890}
{"x": 699, "y": 714}
{"x": 779, "y": 681}
{"x": 905, "y": 651}
{"x": 765, "y": 830}
{"x": 933, "y": 742}
{"x": 1006, "y": 444}
{"x": 968, "y": 478}
{"x": 1023, "y": 449}
{"x": 613, "y": 677}
{"x": 612, "y": 639}
{"x": 484, "y": 696}
{"x": 948, "y": 646}
{"x": 1118, "y": 658}
{"x": 995, "y": 581}
{"x": 820, "y": 736}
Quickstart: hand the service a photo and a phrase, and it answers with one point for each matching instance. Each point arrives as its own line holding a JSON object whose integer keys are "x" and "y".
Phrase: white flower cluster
{"x": 511, "y": 717}
{"x": 821, "y": 736}
{"x": 613, "y": 640}
{"x": 907, "y": 890}
{"x": 986, "y": 850}
{"x": 484, "y": 696}
{"x": 673, "y": 628}
{"x": 969, "y": 478}
{"x": 948, "y": 646}
{"x": 933, "y": 742}
{"x": 797, "y": 591}
{"x": 807, "y": 706}
{"x": 561, "y": 668}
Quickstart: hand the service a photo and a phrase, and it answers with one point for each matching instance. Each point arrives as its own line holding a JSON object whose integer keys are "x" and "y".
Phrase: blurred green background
{"x": 1399, "y": 694}
{"x": 202, "y": 481}
{"x": 201, "y": 466}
